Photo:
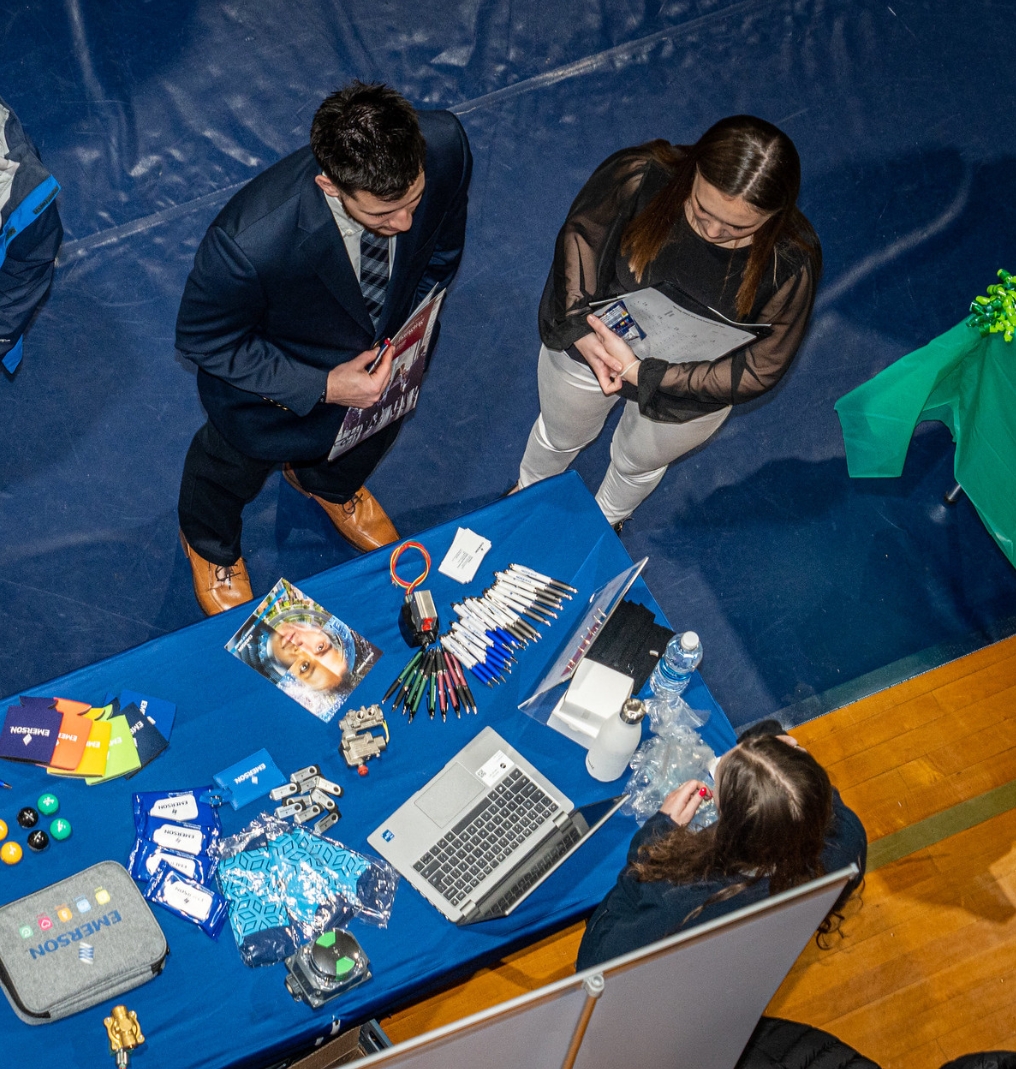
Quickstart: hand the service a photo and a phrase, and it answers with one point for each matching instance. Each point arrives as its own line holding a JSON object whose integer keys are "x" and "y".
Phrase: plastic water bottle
{"x": 673, "y": 670}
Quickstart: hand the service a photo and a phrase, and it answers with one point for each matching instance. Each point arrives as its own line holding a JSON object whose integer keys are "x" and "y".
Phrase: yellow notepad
{"x": 121, "y": 753}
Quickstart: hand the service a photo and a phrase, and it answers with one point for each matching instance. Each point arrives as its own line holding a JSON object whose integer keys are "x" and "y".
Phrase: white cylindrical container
{"x": 617, "y": 740}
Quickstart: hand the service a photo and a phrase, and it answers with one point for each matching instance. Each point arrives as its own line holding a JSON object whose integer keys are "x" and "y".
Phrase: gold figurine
{"x": 124, "y": 1034}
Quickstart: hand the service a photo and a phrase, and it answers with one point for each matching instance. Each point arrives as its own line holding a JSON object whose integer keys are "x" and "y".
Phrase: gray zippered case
{"x": 76, "y": 943}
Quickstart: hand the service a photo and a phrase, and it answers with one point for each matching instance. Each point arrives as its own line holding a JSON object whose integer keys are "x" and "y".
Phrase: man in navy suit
{"x": 294, "y": 285}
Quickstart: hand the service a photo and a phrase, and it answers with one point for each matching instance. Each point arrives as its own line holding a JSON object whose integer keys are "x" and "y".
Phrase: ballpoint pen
{"x": 385, "y": 346}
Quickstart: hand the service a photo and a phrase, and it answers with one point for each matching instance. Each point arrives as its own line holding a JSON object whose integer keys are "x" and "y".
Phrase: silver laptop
{"x": 485, "y": 832}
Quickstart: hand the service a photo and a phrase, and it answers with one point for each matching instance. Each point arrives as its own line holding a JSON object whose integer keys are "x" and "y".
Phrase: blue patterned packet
{"x": 285, "y": 885}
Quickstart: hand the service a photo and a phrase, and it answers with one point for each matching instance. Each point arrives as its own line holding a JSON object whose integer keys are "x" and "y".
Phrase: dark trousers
{"x": 219, "y": 480}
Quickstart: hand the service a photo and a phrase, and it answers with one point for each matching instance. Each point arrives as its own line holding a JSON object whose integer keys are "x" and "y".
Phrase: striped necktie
{"x": 373, "y": 273}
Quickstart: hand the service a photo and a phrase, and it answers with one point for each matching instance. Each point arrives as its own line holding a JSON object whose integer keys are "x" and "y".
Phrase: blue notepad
{"x": 30, "y": 734}
{"x": 163, "y": 713}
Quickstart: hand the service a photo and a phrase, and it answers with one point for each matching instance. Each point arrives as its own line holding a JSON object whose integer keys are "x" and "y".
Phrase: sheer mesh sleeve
{"x": 739, "y": 377}
{"x": 587, "y": 247}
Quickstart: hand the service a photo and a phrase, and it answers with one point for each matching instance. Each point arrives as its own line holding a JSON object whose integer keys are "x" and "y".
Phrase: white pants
{"x": 573, "y": 410}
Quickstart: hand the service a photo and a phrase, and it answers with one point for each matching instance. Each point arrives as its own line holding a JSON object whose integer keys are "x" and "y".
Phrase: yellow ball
{"x": 10, "y": 853}
{"x": 3, "y": 830}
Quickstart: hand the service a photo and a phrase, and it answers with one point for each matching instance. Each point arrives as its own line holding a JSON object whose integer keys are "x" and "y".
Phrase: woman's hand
{"x": 604, "y": 367}
{"x": 617, "y": 355}
{"x": 680, "y": 805}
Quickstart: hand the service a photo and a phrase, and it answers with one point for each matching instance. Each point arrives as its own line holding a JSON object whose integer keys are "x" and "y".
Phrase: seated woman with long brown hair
{"x": 716, "y": 221}
{"x": 780, "y": 824}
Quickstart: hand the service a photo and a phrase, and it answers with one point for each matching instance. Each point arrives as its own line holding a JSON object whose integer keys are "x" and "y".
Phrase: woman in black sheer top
{"x": 716, "y": 220}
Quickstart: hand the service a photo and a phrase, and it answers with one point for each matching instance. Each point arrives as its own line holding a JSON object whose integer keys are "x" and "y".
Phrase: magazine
{"x": 305, "y": 651}
{"x": 409, "y": 355}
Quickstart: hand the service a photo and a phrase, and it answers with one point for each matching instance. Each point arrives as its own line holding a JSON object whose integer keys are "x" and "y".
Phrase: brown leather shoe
{"x": 361, "y": 520}
{"x": 217, "y": 587}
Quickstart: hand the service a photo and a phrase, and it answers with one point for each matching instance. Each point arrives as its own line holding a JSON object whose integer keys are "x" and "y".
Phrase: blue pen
{"x": 482, "y": 673}
{"x": 499, "y": 644}
{"x": 3, "y": 783}
{"x": 495, "y": 657}
{"x": 509, "y": 640}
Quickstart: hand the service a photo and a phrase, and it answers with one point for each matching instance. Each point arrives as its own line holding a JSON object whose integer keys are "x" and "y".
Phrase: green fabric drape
{"x": 969, "y": 384}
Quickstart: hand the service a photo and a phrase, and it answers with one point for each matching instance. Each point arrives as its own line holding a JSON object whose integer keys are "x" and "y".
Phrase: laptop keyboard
{"x": 485, "y": 836}
{"x": 547, "y": 861}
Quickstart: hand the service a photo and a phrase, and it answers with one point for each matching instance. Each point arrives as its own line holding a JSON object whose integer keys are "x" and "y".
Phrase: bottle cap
{"x": 632, "y": 711}
{"x": 689, "y": 640}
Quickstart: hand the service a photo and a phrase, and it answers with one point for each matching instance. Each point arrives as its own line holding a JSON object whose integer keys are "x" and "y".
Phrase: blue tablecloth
{"x": 207, "y": 1008}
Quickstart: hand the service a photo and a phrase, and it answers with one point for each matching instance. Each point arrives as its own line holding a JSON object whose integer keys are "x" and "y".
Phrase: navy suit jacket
{"x": 273, "y": 304}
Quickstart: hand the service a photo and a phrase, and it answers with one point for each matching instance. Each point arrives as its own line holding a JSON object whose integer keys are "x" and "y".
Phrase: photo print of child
{"x": 305, "y": 651}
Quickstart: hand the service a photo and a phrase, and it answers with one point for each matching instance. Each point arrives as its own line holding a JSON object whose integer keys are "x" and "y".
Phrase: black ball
{"x": 38, "y": 840}
{"x": 28, "y": 817}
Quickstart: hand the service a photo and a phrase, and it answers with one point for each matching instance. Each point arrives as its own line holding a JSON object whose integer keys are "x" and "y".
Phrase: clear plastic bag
{"x": 314, "y": 869}
{"x": 286, "y": 885}
{"x": 661, "y": 764}
{"x": 262, "y": 927}
{"x": 669, "y": 714}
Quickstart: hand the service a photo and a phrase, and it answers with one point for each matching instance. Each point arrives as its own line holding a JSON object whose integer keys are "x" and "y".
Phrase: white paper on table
{"x": 464, "y": 555}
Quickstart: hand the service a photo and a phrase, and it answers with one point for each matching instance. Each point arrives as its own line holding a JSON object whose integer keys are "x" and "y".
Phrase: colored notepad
{"x": 162, "y": 712}
{"x": 70, "y": 744}
{"x": 30, "y": 734}
{"x": 121, "y": 754}
{"x": 93, "y": 761}
{"x": 68, "y": 705}
{"x": 37, "y": 703}
{"x": 149, "y": 741}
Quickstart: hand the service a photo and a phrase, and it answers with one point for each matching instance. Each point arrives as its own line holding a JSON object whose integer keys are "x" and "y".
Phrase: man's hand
{"x": 680, "y": 805}
{"x": 352, "y": 385}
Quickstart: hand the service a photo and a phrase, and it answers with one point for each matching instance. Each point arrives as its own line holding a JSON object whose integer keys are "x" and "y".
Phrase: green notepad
{"x": 122, "y": 755}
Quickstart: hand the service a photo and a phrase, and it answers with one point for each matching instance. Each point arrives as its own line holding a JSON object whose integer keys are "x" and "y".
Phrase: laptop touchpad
{"x": 452, "y": 791}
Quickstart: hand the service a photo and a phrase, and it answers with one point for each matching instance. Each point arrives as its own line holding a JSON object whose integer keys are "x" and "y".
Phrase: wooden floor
{"x": 926, "y": 970}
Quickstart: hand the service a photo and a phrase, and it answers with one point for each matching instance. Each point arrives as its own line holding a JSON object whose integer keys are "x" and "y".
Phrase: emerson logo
{"x": 51, "y": 946}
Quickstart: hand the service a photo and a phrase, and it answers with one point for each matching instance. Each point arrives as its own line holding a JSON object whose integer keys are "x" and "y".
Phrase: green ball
{"x": 60, "y": 828}
{"x": 48, "y": 804}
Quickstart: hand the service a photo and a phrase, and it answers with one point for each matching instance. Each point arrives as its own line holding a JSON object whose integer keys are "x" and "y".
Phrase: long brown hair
{"x": 741, "y": 156}
{"x": 775, "y": 805}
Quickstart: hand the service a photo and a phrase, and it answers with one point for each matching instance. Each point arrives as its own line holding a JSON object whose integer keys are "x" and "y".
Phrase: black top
{"x": 637, "y": 913}
{"x": 779, "y": 1044}
{"x": 588, "y": 267}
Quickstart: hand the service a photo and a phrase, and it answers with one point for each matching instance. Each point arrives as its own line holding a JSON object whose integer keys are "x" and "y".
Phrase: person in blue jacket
{"x": 780, "y": 824}
{"x": 295, "y": 285}
{"x": 30, "y": 237}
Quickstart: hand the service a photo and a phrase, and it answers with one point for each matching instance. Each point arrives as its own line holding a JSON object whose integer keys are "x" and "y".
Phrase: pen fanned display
{"x": 305, "y": 651}
{"x": 484, "y": 640}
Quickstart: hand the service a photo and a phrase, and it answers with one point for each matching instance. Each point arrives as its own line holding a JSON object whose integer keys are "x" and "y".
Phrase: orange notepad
{"x": 70, "y": 742}
{"x": 68, "y": 705}
{"x": 93, "y": 761}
